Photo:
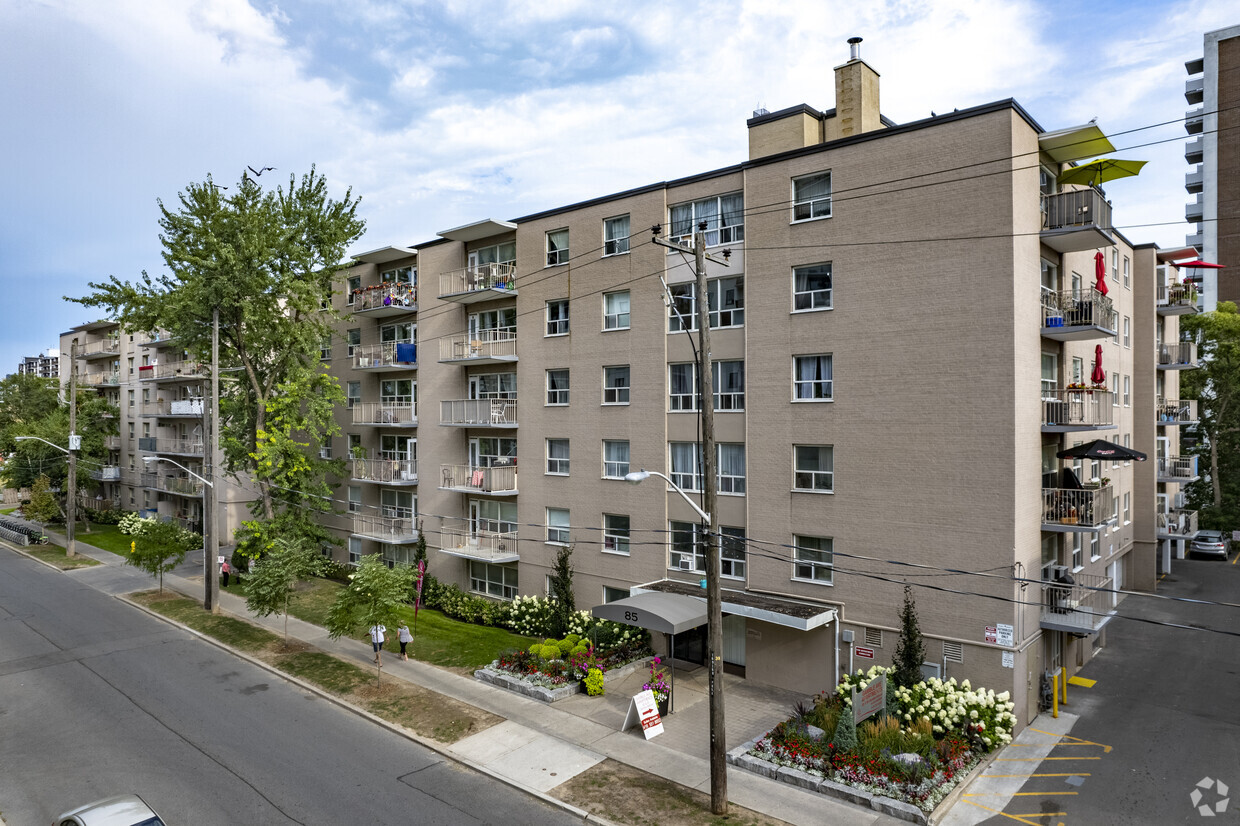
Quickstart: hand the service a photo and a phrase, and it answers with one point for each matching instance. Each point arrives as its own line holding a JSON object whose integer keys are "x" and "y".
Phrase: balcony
{"x": 101, "y": 379}
{"x": 1194, "y": 89}
{"x": 179, "y": 485}
{"x": 483, "y": 347}
{"x": 1182, "y": 355}
{"x": 1072, "y": 510}
{"x": 385, "y": 471}
{"x": 1069, "y": 411}
{"x": 189, "y": 408}
{"x": 385, "y": 415}
{"x": 186, "y": 522}
{"x": 1176, "y": 299}
{"x": 1176, "y": 411}
{"x": 486, "y": 546}
{"x": 482, "y": 282}
{"x": 1194, "y": 210}
{"x": 159, "y": 338}
{"x": 1176, "y": 524}
{"x": 177, "y": 447}
{"x": 1078, "y": 608}
{"x": 478, "y": 413}
{"x": 173, "y": 371}
{"x": 107, "y": 473}
{"x": 1074, "y": 316}
{"x": 100, "y": 349}
{"x": 500, "y": 480}
{"x": 1194, "y": 121}
{"x": 385, "y": 357}
{"x": 1177, "y": 469}
{"x": 385, "y": 300}
{"x": 1194, "y": 181}
{"x": 112, "y": 442}
{"x": 1194, "y": 150}
{"x": 1076, "y": 220}
{"x": 1194, "y": 240}
{"x": 395, "y": 529}
{"x": 95, "y": 503}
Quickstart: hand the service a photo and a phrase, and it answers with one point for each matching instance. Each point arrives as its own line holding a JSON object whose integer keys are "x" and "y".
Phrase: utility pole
{"x": 212, "y": 527}
{"x": 714, "y": 596}
{"x": 75, "y": 442}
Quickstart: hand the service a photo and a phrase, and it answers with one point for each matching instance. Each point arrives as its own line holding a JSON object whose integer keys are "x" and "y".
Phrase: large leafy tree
{"x": 267, "y": 261}
{"x": 1216, "y": 387}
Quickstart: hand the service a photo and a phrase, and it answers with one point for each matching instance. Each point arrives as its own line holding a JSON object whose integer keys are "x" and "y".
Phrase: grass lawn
{"x": 7, "y": 511}
{"x": 438, "y": 640}
{"x": 106, "y": 537}
{"x": 55, "y": 555}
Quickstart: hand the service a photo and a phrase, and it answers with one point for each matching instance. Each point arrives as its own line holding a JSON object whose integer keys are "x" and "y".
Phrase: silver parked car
{"x": 121, "y": 810}
{"x": 1210, "y": 543}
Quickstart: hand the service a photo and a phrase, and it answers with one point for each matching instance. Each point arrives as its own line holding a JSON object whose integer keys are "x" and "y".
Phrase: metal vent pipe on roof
{"x": 854, "y": 48}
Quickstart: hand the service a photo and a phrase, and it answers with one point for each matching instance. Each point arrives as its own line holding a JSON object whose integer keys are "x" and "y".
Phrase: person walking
{"x": 376, "y": 639}
{"x": 225, "y": 570}
{"x": 402, "y": 634}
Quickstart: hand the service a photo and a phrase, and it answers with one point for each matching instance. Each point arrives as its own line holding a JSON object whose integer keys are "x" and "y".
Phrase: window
{"x": 811, "y": 197}
{"x": 557, "y": 317}
{"x": 814, "y": 468}
{"x": 492, "y": 324}
{"x": 1095, "y": 546}
{"x": 725, "y": 304}
{"x": 1050, "y": 375}
{"x": 355, "y": 550}
{"x": 397, "y": 392}
{"x": 615, "y": 458}
{"x": 1126, "y": 265}
{"x": 355, "y": 499}
{"x": 616, "y": 384}
{"x": 557, "y": 387}
{"x": 1115, "y": 513}
{"x": 616, "y": 310}
{"x": 353, "y": 392}
{"x": 682, "y": 386}
{"x": 615, "y": 534}
{"x": 1078, "y": 370}
{"x": 811, "y": 380}
{"x": 557, "y": 456}
{"x": 1078, "y": 561}
{"x": 1127, "y": 332}
{"x": 731, "y": 468}
{"x": 1127, "y": 391}
{"x": 686, "y": 465}
{"x": 1114, "y": 264}
{"x": 354, "y": 284}
{"x": 355, "y": 443}
{"x": 611, "y": 594}
{"x": 400, "y": 275}
{"x": 732, "y": 552}
{"x": 616, "y": 235}
{"x": 398, "y": 333}
{"x": 1127, "y": 508}
{"x": 493, "y": 386}
{"x": 130, "y": 397}
{"x": 490, "y": 452}
{"x": 1115, "y": 389}
{"x": 812, "y": 559}
{"x": 494, "y": 516}
{"x": 325, "y": 450}
{"x": 397, "y": 504}
{"x": 557, "y": 247}
{"x": 687, "y": 550}
{"x": 497, "y": 254}
{"x": 811, "y": 288}
{"x": 724, "y": 217}
{"x": 557, "y": 526}
{"x": 325, "y": 347}
{"x": 493, "y": 580}
{"x": 729, "y": 385}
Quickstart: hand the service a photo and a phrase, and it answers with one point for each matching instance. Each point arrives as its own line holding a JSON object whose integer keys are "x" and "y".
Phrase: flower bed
{"x": 904, "y": 762}
{"x": 540, "y": 687}
{"x": 552, "y": 670}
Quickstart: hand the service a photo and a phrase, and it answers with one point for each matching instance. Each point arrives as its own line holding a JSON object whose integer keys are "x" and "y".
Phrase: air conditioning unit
{"x": 686, "y": 564}
{"x": 1059, "y": 571}
{"x": 1180, "y": 500}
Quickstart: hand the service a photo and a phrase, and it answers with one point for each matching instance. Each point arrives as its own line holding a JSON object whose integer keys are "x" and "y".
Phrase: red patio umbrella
{"x": 1197, "y": 264}
{"x": 1100, "y": 272}
{"x": 1099, "y": 376}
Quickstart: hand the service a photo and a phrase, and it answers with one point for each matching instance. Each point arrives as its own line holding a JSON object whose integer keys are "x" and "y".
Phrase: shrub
{"x": 496, "y": 614}
{"x": 594, "y": 682}
{"x": 336, "y": 571}
{"x": 881, "y": 733}
{"x": 530, "y": 616}
{"x": 108, "y": 517}
{"x": 133, "y": 525}
{"x": 566, "y": 646}
{"x": 845, "y": 738}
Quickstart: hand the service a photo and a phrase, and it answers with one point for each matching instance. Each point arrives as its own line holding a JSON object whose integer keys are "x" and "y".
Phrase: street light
{"x": 38, "y": 438}
{"x": 639, "y": 476}
{"x": 148, "y": 459}
{"x": 211, "y": 598}
{"x": 75, "y": 443}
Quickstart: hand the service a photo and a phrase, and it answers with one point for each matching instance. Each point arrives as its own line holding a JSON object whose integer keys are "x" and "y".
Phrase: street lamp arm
{"x": 148, "y": 459}
{"x": 637, "y": 477}
{"x": 41, "y": 439}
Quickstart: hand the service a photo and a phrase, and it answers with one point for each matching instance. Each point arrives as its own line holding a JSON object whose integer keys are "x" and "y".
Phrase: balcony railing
{"x": 1077, "y": 608}
{"x": 1074, "y": 315}
{"x": 95, "y": 504}
{"x": 104, "y": 347}
{"x": 482, "y": 545}
{"x": 1065, "y": 411}
{"x": 394, "y": 355}
{"x": 478, "y": 282}
{"x": 1076, "y": 510}
{"x": 483, "y": 346}
{"x": 178, "y": 407}
{"x": 1176, "y": 411}
{"x": 107, "y": 473}
{"x": 501, "y": 479}
{"x": 172, "y": 370}
{"x": 1076, "y": 220}
{"x": 377, "y": 413}
{"x": 159, "y": 338}
{"x": 182, "y": 485}
{"x": 1182, "y": 355}
{"x": 112, "y": 442}
{"x": 385, "y": 471}
{"x": 1176, "y": 524}
{"x": 1176, "y": 299}
{"x": 479, "y": 412}
{"x": 185, "y": 522}
{"x": 101, "y": 379}
{"x": 1177, "y": 468}
{"x": 386, "y": 299}
{"x": 398, "y": 530}
{"x": 187, "y": 447}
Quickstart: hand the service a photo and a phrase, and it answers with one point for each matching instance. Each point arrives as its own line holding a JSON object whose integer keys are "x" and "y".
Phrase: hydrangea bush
{"x": 133, "y": 525}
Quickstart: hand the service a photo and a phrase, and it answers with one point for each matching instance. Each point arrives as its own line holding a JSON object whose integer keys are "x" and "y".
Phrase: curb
{"x": 437, "y": 748}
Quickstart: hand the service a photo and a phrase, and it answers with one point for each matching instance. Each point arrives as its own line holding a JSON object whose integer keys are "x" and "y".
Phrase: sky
{"x": 443, "y": 113}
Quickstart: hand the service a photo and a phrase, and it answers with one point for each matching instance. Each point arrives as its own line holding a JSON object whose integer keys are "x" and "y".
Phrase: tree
{"x": 267, "y": 261}
{"x": 161, "y": 547}
{"x": 910, "y": 648}
{"x": 563, "y": 605}
{"x": 1216, "y": 387}
{"x": 42, "y": 507}
{"x": 372, "y": 596}
{"x": 273, "y": 579}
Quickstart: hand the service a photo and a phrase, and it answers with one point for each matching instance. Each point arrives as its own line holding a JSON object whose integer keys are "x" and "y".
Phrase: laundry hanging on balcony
{"x": 1100, "y": 272}
{"x": 1099, "y": 376}
{"x": 406, "y": 352}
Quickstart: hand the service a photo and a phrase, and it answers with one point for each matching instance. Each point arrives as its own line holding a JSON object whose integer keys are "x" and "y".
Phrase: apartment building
{"x": 909, "y": 329}
{"x": 1214, "y": 160}
{"x": 158, "y": 392}
{"x": 45, "y": 365}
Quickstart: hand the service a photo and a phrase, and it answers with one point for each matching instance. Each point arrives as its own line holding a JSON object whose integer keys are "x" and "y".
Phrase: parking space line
{"x": 1064, "y": 774}
{"x": 1017, "y": 794}
{"x": 1017, "y": 818}
{"x": 1039, "y": 759}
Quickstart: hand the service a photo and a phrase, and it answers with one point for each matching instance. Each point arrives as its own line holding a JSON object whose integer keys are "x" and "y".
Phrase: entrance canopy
{"x": 655, "y": 611}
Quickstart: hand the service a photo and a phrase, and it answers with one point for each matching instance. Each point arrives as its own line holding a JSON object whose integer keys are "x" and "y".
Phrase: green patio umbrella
{"x": 1097, "y": 172}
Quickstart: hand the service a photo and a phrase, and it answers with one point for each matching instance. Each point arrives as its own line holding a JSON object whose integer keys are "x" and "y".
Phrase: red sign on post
{"x": 871, "y": 699}
{"x": 864, "y": 653}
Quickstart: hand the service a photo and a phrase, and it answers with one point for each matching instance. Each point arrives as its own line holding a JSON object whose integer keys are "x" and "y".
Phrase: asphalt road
{"x": 98, "y": 698}
{"x": 1163, "y": 716}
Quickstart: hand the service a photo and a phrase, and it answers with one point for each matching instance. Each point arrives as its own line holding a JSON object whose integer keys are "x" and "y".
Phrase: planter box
{"x": 507, "y": 681}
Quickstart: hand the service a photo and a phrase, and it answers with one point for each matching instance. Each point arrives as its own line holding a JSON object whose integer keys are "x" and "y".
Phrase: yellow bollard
{"x": 1064, "y": 701}
{"x": 1055, "y": 696}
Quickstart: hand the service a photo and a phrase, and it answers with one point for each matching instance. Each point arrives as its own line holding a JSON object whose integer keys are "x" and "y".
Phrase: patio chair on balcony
{"x": 447, "y": 477}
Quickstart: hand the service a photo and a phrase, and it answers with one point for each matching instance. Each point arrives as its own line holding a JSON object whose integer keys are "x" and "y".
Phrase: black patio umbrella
{"x": 1102, "y": 449}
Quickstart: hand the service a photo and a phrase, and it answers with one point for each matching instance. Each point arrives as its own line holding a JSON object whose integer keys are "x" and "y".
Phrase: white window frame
{"x": 676, "y": 552}
{"x": 615, "y": 468}
{"x": 811, "y": 208}
{"x": 1127, "y": 332}
{"x": 679, "y": 455}
{"x": 811, "y": 567}
{"x": 614, "y": 318}
{"x": 557, "y": 465}
{"x": 730, "y": 484}
{"x": 560, "y": 399}
{"x": 355, "y": 550}
{"x": 557, "y": 326}
{"x": 682, "y": 402}
{"x": 617, "y": 394}
{"x": 1127, "y": 508}
{"x": 814, "y": 300}
{"x": 733, "y": 560}
{"x": 799, "y": 384}
{"x": 398, "y": 399}
{"x": 355, "y": 498}
{"x": 353, "y": 282}
{"x": 820, "y": 480}
{"x": 613, "y": 242}
{"x": 559, "y": 531}
{"x": 1127, "y": 264}
{"x": 616, "y": 536}
{"x": 683, "y": 219}
{"x": 354, "y": 338}
{"x": 1127, "y": 391}
{"x": 493, "y": 578}
{"x": 732, "y": 400}
{"x": 557, "y": 256}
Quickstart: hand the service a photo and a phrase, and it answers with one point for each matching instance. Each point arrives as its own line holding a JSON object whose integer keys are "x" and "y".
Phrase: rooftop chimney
{"x": 854, "y": 48}
{"x": 856, "y": 96}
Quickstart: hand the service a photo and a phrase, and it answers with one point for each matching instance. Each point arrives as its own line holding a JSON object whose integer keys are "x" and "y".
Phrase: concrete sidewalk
{"x": 539, "y": 746}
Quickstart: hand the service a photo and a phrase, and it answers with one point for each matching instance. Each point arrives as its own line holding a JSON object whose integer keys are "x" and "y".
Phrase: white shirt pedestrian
{"x": 376, "y": 638}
